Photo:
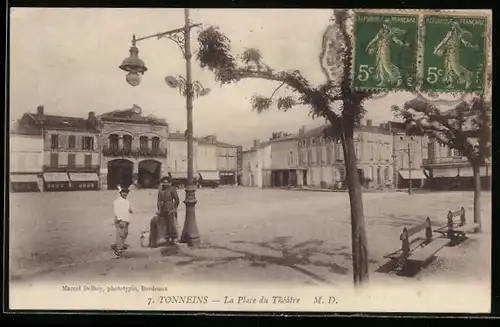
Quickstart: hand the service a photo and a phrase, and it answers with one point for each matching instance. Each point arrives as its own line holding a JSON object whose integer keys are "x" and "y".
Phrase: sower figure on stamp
{"x": 168, "y": 202}
{"x": 122, "y": 210}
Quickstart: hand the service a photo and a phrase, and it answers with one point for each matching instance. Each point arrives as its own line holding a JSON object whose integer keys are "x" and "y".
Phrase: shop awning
{"x": 415, "y": 174}
{"x": 209, "y": 175}
{"x": 56, "y": 177}
{"x": 20, "y": 178}
{"x": 83, "y": 177}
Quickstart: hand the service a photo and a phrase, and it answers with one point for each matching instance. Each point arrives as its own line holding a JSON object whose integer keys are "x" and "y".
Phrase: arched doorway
{"x": 149, "y": 173}
{"x": 120, "y": 173}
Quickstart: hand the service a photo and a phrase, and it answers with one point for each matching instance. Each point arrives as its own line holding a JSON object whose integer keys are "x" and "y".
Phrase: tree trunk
{"x": 358, "y": 237}
{"x": 477, "y": 195}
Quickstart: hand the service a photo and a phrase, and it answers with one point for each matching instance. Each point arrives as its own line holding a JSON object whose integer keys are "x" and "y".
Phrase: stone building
{"x": 449, "y": 169}
{"x": 71, "y": 150}
{"x": 285, "y": 167}
{"x": 227, "y": 160}
{"x": 256, "y": 165}
{"x": 409, "y": 153}
{"x": 134, "y": 148}
{"x": 25, "y": 157}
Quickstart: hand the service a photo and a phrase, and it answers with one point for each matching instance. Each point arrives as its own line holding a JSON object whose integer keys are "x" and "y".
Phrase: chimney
{"x": 256, "y": 142}
{"x": 369, "y": 122}
{"x": 39, "y": 110}
{"x": 91, "y": 116}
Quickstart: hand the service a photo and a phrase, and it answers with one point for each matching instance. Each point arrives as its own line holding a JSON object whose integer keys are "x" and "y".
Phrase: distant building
{"x": 227, "y": 160}
{"x": 323, "y": 158}
{"x": 25, "y": 157}
{"x": 134, "y": 148}
{"x": 256, "y": 165}
{"x": 71, "y": 150}
{"x": 206, "y": 161}
{"x": 449, "y": 169}
{"x": 214, "y": 161}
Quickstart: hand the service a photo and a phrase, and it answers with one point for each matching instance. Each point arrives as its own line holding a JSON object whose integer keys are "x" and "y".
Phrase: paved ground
{"x": 248, "y": 234}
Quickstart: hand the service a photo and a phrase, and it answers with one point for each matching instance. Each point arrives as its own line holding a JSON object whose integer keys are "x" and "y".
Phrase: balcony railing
{"x": 136, "y": 153}
{"x": 72, "y": 168}
{"x": 445, "y": 160}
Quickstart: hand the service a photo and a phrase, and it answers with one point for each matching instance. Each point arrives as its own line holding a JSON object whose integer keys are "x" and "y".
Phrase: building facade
{"x": 227, "y": 161}
{"x": 70, "y": 150}
{"x": 309, "y": 159}
{"x": 25, "y": 158}
{"x": 448, "y": 169}
{"x": 134, "y": 149}
{"x": 256, "y": 165}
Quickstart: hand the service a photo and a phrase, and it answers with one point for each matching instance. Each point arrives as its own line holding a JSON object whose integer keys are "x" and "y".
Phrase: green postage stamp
{"x": 386, "y": 48}
{"x": 454, "y": 53}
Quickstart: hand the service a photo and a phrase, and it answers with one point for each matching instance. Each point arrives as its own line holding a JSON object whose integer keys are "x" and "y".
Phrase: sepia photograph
{"x": 326, "y": 160}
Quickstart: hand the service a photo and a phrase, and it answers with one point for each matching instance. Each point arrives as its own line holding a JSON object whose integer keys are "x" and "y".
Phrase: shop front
{"x": 24, "y": 183}
{"x": 84, "y": 181}
{"x": 56, "y": 182}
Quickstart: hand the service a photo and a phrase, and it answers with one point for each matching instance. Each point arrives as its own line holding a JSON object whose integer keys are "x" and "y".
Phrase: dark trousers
{"x": 121, "y": 234}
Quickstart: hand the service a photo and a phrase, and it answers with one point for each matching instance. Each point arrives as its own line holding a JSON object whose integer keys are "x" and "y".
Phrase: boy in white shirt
{"x": 122, "y": 211}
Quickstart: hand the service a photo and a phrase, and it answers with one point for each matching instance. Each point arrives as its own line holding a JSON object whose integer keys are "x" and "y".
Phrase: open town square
{"x": 247, "y": 235}
{"x": 216, "y": 148}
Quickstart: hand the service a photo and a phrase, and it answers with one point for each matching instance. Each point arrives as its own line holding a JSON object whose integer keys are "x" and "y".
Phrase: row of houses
{"x": 386, "y": 158}
{"x": 122, "y": 147}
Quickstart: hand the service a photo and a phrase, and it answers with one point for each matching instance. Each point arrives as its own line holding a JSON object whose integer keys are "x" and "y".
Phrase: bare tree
{"x": 336, "y": 101}
{"x": 466, "y": 128}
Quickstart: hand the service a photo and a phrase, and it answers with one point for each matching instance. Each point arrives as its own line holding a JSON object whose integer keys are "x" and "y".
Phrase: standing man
{"x": 122, "y": 210}
{"x": 167, "y": 204}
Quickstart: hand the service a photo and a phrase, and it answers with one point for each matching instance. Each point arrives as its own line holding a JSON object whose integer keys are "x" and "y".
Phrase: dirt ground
{"x": 247, "y": 234}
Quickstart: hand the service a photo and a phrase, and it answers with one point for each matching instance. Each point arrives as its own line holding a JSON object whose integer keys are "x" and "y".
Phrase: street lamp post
{"x": 408, "y": 151}
{"x": 136, "y": 67}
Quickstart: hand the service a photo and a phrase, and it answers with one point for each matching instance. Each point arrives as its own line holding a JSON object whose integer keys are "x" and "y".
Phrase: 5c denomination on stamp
{"x": 385, "y": 51}
{"x": 454, "y": 53}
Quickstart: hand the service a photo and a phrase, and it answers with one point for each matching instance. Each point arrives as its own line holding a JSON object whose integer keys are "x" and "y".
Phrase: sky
{"x": 67, "y": 60}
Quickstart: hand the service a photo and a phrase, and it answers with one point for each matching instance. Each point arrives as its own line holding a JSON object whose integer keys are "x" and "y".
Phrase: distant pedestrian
{"x": 167, "y": 204}
{"x": 122, "y": 210}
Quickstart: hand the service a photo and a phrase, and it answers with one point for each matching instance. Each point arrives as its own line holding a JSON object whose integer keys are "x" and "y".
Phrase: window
{"x": 54, "y": 160}
{"x": 88, "y": 161}
{"x": 113, "y": 141}
{"x": 291, "y": 158}
{"x": 309, "y": 157}
{"x": 71, "y": 160}
{"x": 127, "y": 142}
{"x": 155, "y": 143}
{"x": 143, "y": 143}
{"x": 449, "y": 152}
{"x": 54, "y": 141}
{"x": 319, "y": 154}
{"x": 372, "y": 152}
{"x": 72, "y": 142}
{"x": 87, "y": 143}
{"x": 386, "y": 174}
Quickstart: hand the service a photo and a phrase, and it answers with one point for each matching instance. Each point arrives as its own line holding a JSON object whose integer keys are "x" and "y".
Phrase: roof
{"x": 19, "y": 128}
{"x": 132, "y": 115}
{"x": 317, "y": 131}
{"x": 66, "y": 123}
{"x": 225, "y": 145}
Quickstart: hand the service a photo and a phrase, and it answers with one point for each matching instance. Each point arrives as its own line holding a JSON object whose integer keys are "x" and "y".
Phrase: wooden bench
{"x": 415, "y": 247}
{"x": 457, "y": 229}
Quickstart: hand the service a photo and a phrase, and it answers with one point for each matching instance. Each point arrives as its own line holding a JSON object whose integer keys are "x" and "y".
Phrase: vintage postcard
{"x": 250, "y": 160}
